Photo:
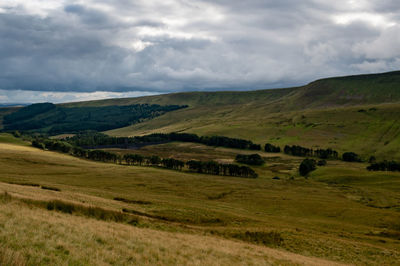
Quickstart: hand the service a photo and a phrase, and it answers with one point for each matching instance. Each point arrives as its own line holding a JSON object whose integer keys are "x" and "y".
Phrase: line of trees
{"x": 215, "y": 168}
{"x": 65, "y": 147}
{"x": 326, "y": 153}
{"x": 210, "y": 167}
{"x": 252, "y": 159}
{"x": 99, "y": 139}
{"x": 297, "y": 150}
{"x": 392, "y": 166}
{"x": 271, "y": 148}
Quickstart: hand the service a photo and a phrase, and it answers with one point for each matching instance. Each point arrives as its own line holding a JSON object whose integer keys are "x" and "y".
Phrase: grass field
{"x": 341, "y": 213}
{"x": 355, "y": 113}
{"x": 368, "y": 130}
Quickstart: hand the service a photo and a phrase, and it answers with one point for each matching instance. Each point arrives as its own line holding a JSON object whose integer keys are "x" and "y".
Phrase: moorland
{"x": 64, "y": 201}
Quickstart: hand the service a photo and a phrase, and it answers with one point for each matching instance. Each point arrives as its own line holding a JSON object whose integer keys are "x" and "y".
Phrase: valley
{"x": 61, "y": 205}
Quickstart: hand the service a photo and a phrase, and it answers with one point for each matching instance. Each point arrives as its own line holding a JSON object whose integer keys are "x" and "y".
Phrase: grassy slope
{"x": 350, "y": 90}
{"x": 342, "y": 217}
{"x": 321, "y": 114}
{"x": 344, "y": 129}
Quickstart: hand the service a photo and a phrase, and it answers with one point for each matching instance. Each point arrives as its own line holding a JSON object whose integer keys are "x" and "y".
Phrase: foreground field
{"x": 342, "y": 213}
{"x": 33, "y": 236}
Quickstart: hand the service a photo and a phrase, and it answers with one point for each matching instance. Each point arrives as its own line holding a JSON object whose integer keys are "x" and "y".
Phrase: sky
{"x": 61, "y": 51}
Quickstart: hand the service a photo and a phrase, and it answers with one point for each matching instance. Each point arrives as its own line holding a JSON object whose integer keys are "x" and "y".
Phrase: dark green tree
{"x": 307, "y": 166}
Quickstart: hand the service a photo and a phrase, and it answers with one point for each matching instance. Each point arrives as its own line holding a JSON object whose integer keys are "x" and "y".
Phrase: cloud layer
{"x": 178, "y": 45}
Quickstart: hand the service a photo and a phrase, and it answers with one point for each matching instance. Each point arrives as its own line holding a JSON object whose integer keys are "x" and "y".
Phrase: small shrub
{"x": 321, "y": 163}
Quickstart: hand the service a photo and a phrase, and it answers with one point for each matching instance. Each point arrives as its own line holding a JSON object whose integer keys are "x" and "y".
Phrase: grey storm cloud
{"x": 178, "y": 45}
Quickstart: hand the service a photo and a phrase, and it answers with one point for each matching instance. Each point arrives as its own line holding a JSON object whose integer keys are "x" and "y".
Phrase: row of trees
{"x": 210, "y": 167}
{"x": 271, "y": 148}
{"x": 215, "y": 168}
{"x": 64, "y": 147}
{"x": 297, "y": 150}
{"x": 252, "y": 159}
{"x": 99, "y": 139}
{"x": 385, "y": 166}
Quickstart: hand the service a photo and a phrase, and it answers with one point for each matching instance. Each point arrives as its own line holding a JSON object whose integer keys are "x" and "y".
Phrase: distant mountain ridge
{"x": 353, "y": 113}
{"x": 336, "y": 91}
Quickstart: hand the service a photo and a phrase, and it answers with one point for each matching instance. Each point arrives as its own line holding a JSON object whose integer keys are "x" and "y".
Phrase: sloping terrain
{"x": 342, "y": 213}
{"x": 357, "y": 113}
{"x": 53, "y": 119}
{"x": 340, "y": 91}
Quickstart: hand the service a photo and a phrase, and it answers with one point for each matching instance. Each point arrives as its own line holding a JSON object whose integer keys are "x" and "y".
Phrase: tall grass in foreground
{"x": 9, "y": 257}
{"x": 77, "y": 209}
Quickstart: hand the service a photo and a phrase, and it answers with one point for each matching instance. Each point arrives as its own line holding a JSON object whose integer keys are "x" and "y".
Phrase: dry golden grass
{"x": 34, "y": 236}
{"x": 328, "y": 216}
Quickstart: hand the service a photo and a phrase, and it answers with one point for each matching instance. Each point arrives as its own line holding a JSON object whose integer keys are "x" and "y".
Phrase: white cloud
{"x": 385, "y": 46}
{"x": 177, "y": 45}
{"x": 376, "y": 20}
{"x": 25, "y": 96}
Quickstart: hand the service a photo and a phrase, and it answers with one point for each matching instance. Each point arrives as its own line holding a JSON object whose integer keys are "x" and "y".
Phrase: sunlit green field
{"x": 341, "y": 213}
{"x": 368, "y": 130}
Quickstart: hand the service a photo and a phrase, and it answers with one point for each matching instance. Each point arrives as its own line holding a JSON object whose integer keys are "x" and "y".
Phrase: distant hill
{"x": 357, "y": 113}
{"x": 338, "y": 91}
{"x": 53, "y": 119}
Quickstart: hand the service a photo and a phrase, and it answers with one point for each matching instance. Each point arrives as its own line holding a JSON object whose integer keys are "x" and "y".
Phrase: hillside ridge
{"x": 333, "y": 91}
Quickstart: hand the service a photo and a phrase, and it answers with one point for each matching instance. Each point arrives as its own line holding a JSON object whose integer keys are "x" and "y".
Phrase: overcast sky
{"x": 54, "y": 50}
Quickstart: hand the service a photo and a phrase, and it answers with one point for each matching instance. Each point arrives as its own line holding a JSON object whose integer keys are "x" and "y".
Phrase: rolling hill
{"x": 338, "y": 91}
{"x": 58, "y": 209}
{"x": 357, "y": 113}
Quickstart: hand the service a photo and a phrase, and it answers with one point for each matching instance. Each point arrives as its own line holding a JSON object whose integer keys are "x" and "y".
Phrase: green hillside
{"x": 358, "y": 113}
{"x": 339, "y": 91}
